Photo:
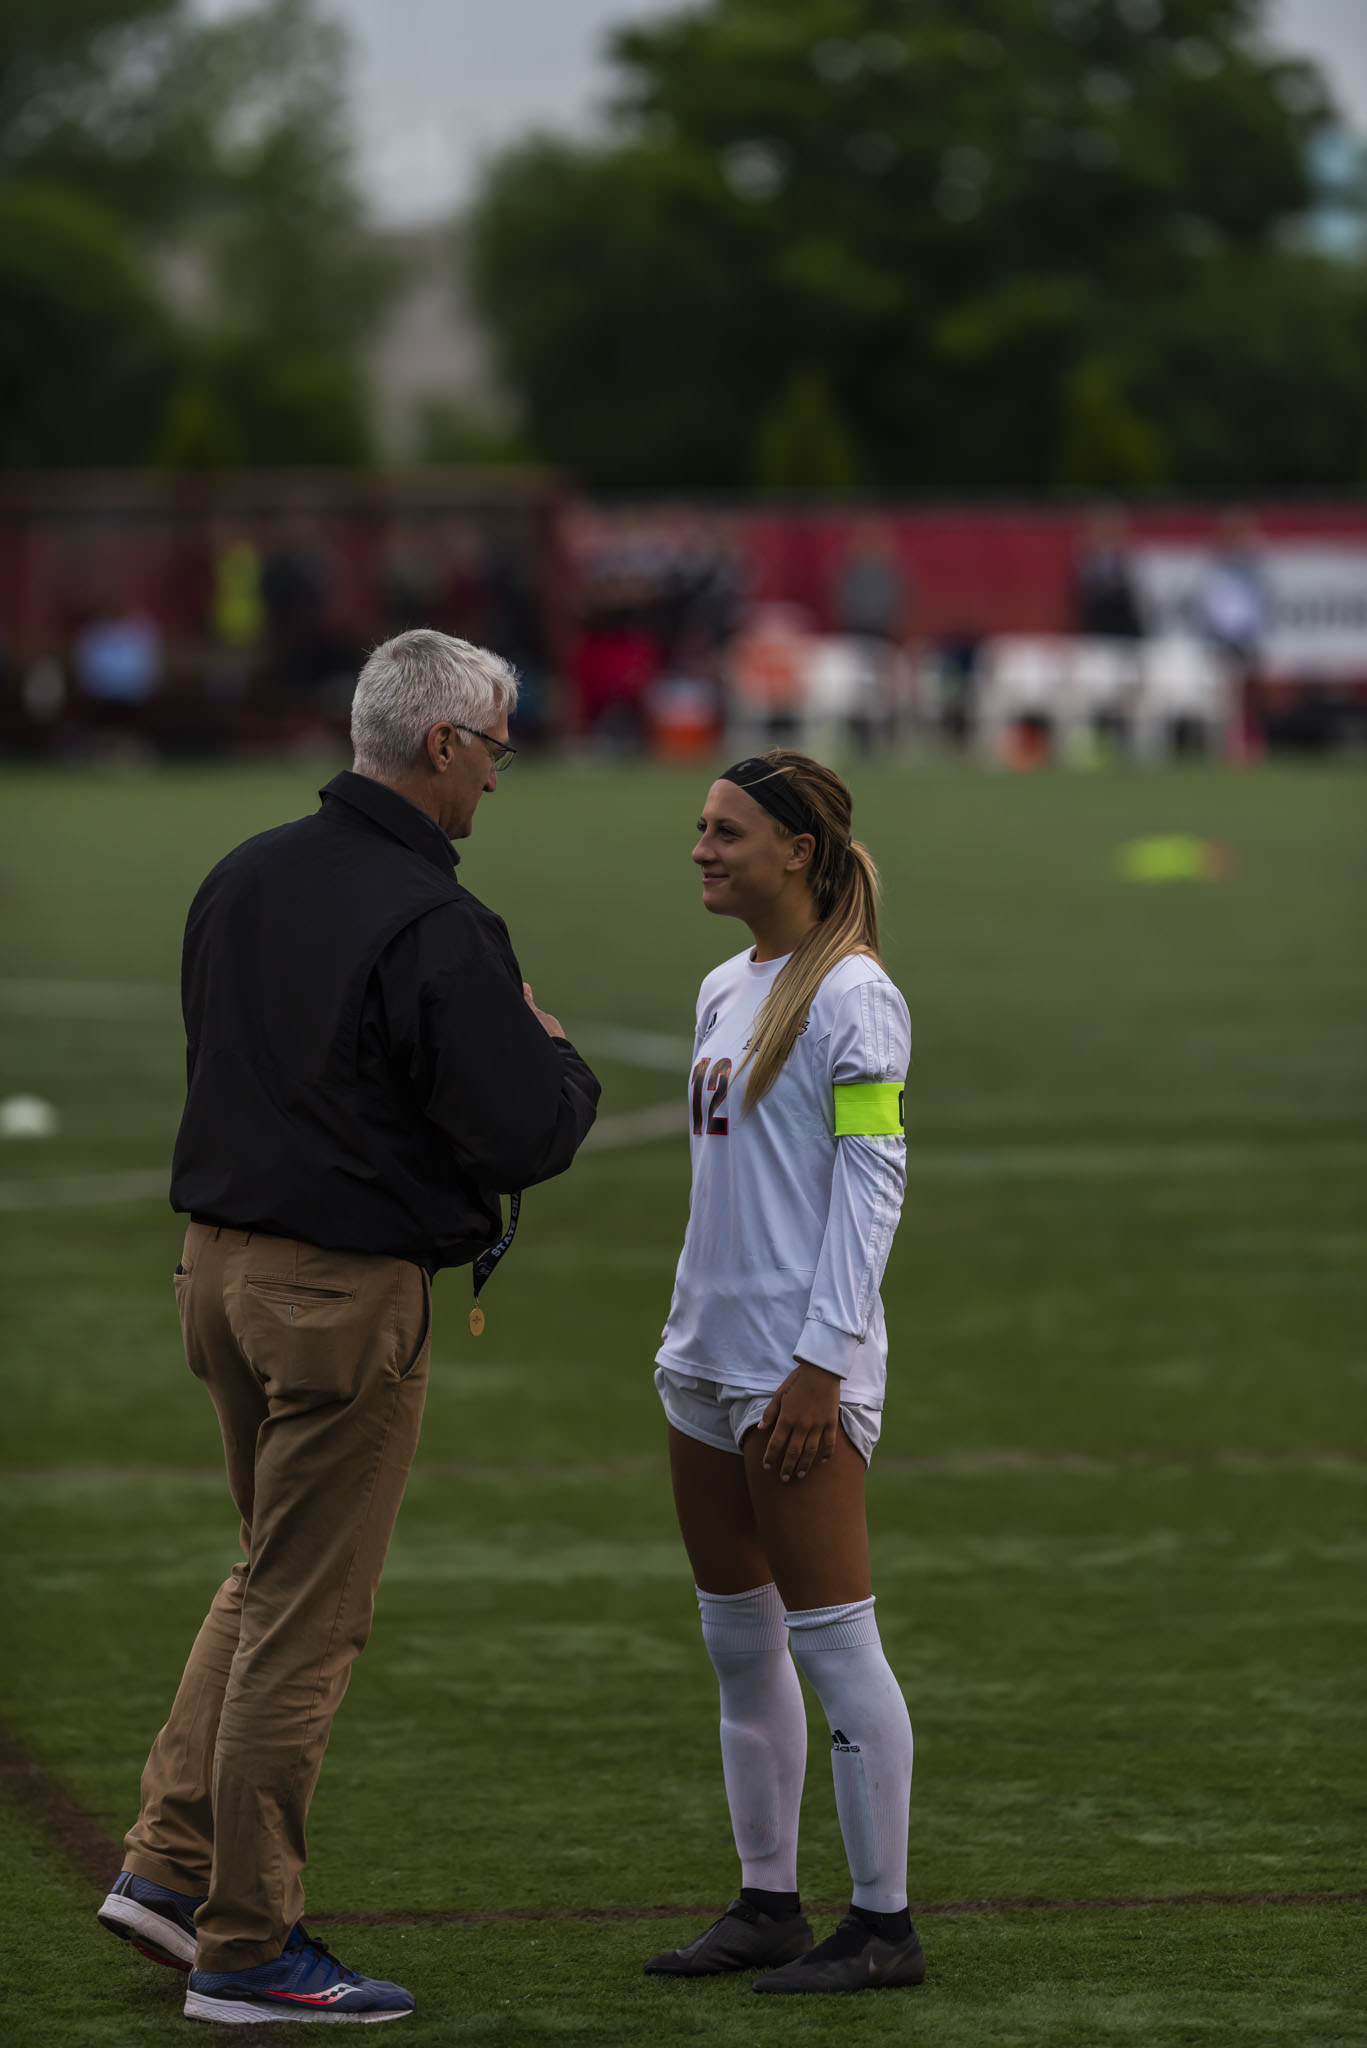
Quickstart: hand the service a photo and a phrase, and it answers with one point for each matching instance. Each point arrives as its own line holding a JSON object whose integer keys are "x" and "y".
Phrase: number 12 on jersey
{"x": 716, "y": 1082}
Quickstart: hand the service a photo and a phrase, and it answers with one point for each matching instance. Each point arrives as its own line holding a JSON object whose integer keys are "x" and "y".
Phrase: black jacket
{"x": 363, "y": 1071}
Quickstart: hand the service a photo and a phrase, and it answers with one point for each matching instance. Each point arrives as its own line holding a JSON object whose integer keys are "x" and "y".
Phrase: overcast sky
{"x": 439, "y": 84}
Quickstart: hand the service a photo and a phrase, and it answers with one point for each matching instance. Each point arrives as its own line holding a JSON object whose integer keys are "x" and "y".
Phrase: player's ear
{"x": 801, "y": 849}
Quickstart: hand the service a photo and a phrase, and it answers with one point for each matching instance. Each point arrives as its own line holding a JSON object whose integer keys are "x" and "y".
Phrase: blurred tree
{"x": 1013, "y": 240}
{"x": 217, "y": 156}
{"x": 85, "y": 345}
{"x": 1105, "y": 443}
{"x": 803, "y": 444}
{"x": 452, "y": 431}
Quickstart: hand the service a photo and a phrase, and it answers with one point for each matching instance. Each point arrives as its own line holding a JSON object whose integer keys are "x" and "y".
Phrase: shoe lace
{"x": 300, "y": 1938}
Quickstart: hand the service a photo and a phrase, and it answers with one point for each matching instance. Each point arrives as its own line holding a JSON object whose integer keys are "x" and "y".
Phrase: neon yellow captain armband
{"x": 868, "y": 1109}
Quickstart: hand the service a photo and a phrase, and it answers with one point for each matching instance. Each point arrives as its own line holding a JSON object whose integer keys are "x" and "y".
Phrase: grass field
{"x": 1118, "y": 1510}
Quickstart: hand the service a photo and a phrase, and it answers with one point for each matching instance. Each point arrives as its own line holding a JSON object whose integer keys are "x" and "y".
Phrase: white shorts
{"x": 720, "y": 1415}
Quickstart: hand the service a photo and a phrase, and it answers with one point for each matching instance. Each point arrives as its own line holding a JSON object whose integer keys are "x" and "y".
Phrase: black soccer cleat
{"x": 743, "y": 1939}
{"x": 854, "y": 1958}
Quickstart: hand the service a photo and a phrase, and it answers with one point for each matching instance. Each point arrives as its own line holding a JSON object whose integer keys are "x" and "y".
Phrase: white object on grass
{"x": 27, "y": 1116}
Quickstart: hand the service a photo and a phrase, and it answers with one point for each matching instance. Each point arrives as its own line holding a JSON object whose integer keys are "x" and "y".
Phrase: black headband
{"x": 773, "y": 792}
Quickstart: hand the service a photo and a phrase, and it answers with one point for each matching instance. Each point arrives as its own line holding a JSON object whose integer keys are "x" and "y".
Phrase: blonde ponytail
{"x": 845, "y": 890}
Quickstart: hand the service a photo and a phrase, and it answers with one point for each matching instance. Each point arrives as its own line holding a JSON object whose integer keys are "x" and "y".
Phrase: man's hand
{"x": 803, "y": 1417}
{"x": 550, "y": 1025}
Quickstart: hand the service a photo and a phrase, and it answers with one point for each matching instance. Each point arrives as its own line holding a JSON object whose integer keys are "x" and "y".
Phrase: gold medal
{"x": 476, "y": 1320}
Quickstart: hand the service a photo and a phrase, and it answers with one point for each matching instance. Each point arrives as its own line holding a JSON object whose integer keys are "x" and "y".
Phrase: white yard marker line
{"x": 638, "y": 1127}
{"x": 102, "y": 999}
{"x": 656, "y": 1051}
{"x": 669, "y": 1120}
{"x": 86, "y": 1190}
{"x": 660, "y": 1051}
{"x": 93, "y": 1190}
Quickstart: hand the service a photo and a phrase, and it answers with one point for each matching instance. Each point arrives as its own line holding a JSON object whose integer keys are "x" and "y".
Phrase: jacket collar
{"x": 393, "y": 814}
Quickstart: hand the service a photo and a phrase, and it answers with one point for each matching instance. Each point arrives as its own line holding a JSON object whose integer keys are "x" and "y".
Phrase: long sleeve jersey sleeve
{"x": 870, "y": 1041}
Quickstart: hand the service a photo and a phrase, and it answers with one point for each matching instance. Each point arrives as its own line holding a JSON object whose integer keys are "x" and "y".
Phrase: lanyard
{"x": 487, "y": 1260}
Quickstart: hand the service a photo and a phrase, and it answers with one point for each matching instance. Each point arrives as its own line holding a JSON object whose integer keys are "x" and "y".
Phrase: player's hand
{"x": 802, "y": 1419}
{"x": 550, "y": 1025}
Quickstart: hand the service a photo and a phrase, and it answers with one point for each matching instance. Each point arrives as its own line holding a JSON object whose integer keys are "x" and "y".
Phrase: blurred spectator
{"x": 1105, "y": 596}
{"x": 237, "y": 613}
{"x": 514, "y": 599}
{"x": 43, "y": 691}
{"x": 1232, "y": 609}
{"x": 311, "y": 653}
{"x": 659, "y": 595}
{"x": 871, "y": 592}
{"x": 236, "y": 618}
{"x": 296, "y": 580}
{"x": 953, "y": 665}
{"x": 614, "y": 665}
{"x": 463, "y": 598}
{"x": 409, "y": 582}
{"x": 872, "y": 605}
{"x": 766, "y": 676}
{"x": 698, "y": 599}
{"x": 116, "y": 660}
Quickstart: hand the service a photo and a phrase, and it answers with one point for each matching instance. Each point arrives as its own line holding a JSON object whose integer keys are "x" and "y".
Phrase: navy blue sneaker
{"x": 157, "y": 1922}
{"x": 303, "y": 1983}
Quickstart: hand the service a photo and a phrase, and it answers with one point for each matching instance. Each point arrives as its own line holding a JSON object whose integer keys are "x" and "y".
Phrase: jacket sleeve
{"x": 514, "y": 1103}
{"x": 870, "y": 1041}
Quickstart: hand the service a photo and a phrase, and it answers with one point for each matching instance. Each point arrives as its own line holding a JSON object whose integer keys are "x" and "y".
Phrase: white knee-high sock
{"x": 763, "y": 1730}
{"x": 838, "y": 1651}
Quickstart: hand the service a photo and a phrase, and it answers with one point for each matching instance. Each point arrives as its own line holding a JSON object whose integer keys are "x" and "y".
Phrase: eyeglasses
{"x": 500, "y": 753}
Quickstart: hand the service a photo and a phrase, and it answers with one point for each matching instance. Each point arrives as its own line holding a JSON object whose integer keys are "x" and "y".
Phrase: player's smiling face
{"x": 746, "y": 862}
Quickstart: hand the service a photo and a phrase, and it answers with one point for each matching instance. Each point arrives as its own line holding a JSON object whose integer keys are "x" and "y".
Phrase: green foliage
{"x": 1106, "y": 444}
{"x": 610, "y": 281}
{"x": 85, "y": 347}
{"x": 803, "y": 443}
{"x": 1256, "y": 372}
{"x": 452, "y": 432}
{"x": 217, "y": 154}
{"x": 977, "y": 228}
{"x": 198, "y": 430}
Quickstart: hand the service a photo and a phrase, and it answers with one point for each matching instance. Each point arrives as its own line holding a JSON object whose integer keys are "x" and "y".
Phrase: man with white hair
{"x": 367, "y": 1075}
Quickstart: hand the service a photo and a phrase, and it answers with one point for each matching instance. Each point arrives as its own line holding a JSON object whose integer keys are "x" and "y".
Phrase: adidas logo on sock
{"x": 840, "y": 1741}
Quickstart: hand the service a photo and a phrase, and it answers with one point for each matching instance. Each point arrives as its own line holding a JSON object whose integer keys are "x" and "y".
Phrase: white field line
{"x": 656, "y": 1051}
{"x": 86, "y": 1190}
{"x": 660, "y": 1051}
{"x": 1347, "y": 1464}
{"x": 94, "y": 1190}
{"x": 982, "y": 1164}
{"x": 105, "y": 1000}
{"x": 638, "y": 1127}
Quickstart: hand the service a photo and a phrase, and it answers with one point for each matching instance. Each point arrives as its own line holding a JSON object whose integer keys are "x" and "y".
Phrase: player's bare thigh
{"x": 716, "y": 1520}
{"x": 813, "y": 1531}
{"x": 742, "y": 1526}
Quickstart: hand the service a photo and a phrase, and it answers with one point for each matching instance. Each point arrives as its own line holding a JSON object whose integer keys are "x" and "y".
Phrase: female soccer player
{"x": 773, "y": 1363}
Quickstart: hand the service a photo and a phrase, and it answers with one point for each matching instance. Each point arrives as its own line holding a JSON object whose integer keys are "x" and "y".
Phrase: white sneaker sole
{"x": 148, "y": 1931}
{"x": 228, "y": 2012}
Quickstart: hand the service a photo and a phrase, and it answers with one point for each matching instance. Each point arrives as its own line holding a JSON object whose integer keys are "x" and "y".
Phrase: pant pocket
{"x": 414, "y": 1336}
{"x": 306, "y": 1344}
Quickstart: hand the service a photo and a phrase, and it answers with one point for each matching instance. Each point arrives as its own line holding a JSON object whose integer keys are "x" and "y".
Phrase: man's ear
{"x": 440, "y": 747}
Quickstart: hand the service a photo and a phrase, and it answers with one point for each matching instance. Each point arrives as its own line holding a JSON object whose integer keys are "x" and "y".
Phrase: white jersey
{"x": 789, "y": 1226}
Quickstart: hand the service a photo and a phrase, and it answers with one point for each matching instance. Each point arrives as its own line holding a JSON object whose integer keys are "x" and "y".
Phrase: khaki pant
{"x": 316, "y": 1362}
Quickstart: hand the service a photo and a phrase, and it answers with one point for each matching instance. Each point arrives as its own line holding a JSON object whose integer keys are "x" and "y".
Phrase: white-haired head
{"x": 417, "y": 680}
